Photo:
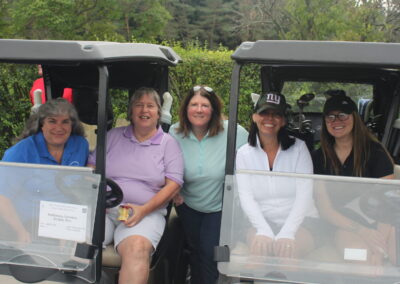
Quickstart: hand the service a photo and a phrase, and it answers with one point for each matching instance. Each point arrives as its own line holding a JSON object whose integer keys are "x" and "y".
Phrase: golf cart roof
{"x": 70, "y": 52}
{"x": 339, "y": 53}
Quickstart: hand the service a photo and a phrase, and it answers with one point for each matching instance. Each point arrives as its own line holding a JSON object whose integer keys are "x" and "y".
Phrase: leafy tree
{"x": 179, "y": 27}
{"x": 209, "y": 21}
{"x": 260, "y": 19}
{"x": 14, "y": 90}
{"x": 3, "y": 18}
{"x": 143, "y": 19}
{"x": 392, "y": 20}
{"x": 63, "y": 19}
{"x": 316, "y": 20}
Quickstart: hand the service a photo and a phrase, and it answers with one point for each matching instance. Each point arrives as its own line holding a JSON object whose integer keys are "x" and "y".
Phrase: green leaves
{"x": 14, "y": 101}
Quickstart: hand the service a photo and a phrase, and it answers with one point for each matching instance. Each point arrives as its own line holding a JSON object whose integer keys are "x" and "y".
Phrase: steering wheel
{"x": 115, "y": 195}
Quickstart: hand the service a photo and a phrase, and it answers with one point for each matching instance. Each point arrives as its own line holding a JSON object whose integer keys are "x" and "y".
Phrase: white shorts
{"x": 151, "y": 227}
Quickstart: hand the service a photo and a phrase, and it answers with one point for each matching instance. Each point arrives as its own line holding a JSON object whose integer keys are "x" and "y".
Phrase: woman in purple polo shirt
{"x": 148, "y": 166}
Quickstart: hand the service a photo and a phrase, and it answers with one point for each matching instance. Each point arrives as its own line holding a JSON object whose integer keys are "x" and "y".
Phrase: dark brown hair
{"x": 362, "y": 140}
{"x": 215, "y": 125}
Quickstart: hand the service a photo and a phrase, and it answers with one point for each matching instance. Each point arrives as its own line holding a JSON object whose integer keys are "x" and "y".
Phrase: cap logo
{"x": 273, "y": 98}
{"x": 345, "y": 103}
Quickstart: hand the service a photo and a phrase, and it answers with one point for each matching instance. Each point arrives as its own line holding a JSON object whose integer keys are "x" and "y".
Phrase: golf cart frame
{"x": 91, "y": 69}
{"x": 376, "y": 64}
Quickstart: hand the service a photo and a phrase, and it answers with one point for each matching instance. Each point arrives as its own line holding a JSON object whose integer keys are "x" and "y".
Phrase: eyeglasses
{"x": 197, "y": 88}
{"x": 341, "y": 116}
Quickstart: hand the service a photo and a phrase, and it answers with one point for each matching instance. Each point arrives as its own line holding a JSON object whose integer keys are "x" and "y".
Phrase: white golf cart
{"x": 370, "y": 74}
{"x": 66, "y": 205}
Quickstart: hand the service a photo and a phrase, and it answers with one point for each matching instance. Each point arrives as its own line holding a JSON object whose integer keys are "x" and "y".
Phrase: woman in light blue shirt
{"x": 202, "y": 135}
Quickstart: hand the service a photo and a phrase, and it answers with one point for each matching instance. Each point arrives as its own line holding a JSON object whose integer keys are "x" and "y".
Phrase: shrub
{"x": 15, "y": 83}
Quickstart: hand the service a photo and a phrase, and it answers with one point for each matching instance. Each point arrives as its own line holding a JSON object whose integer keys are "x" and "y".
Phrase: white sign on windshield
{"x": 62, "y": 221}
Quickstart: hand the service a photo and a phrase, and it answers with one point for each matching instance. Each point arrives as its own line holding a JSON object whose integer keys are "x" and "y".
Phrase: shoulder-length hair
{"x": 284, "y": 139}
{"x": 54, "y": 107}
{"x": 362, "y": 140}
{"x": 137, "y": 95}
{"x": 216, "y": 122}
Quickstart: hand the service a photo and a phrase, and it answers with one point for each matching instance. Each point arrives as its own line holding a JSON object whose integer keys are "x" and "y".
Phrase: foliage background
{"x": 203, "y": 32}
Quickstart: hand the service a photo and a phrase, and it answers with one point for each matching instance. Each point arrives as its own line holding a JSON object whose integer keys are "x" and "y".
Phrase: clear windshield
{"x": 332, "y": 256}
{"x": 45, "y": 212}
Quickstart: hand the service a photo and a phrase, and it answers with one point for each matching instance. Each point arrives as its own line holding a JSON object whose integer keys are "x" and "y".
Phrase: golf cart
{"x": 68, "y": 230}
{"x": 304, "y": 71}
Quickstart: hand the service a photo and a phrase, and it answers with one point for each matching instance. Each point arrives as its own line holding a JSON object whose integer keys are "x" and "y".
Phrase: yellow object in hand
{"x": 123, "y": 213}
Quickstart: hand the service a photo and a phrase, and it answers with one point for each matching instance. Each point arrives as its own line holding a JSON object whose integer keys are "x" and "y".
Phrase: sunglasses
{"x": 340, "y": 116}
{"x": 208, "y": 89}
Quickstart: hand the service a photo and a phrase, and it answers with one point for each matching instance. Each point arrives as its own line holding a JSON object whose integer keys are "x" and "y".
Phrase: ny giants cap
{"x": 271, "y": 100}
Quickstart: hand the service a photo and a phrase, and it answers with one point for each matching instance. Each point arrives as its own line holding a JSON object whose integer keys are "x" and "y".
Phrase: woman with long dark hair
{"x": 280, "y": 210}
{"x": 348, "y": 148}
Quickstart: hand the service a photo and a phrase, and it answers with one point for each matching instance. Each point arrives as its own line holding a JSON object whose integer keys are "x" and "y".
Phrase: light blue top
{"x": 205, "y": 167}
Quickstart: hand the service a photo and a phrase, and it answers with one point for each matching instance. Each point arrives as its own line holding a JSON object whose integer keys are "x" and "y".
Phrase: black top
{"x": 378, "y": 165}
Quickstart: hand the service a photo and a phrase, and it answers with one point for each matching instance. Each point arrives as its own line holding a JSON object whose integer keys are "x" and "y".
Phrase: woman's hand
{"x": 261, "y": 245}
{"x": 137, "y": 214}
{"x": 375, "y": 239}
{"x": 178, "y": 199}
{"x": 284, "y": 247}
{"x": 23, "y": 236}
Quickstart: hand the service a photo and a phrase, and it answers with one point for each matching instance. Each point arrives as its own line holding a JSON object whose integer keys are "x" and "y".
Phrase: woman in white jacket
{"x": 280, "y": 209}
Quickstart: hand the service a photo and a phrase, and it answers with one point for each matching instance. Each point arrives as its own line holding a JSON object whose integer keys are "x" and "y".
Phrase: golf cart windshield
{"x": 57, "y": 206}
{"x": 379, "y": 203}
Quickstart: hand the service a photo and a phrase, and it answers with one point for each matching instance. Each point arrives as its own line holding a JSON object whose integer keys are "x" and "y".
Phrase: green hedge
{"x": 212, "y": 68}
{"x": 200, "y": 66}
{"x": 15, "y": 83}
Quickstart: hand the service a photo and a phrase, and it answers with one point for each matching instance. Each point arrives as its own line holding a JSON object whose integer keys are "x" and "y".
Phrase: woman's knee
{"x": 135, "y": 247}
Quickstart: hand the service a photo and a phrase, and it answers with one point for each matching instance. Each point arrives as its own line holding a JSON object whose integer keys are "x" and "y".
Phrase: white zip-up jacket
{"x": 282, "y": 200}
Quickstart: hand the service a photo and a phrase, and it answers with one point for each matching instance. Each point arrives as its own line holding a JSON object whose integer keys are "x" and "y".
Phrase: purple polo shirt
{"x": 140, "y": 168}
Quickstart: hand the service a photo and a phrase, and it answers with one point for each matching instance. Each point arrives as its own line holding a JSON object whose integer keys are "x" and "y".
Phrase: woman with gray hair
{"x": 148, "y": 166}
{"x": 52, "y": 136}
